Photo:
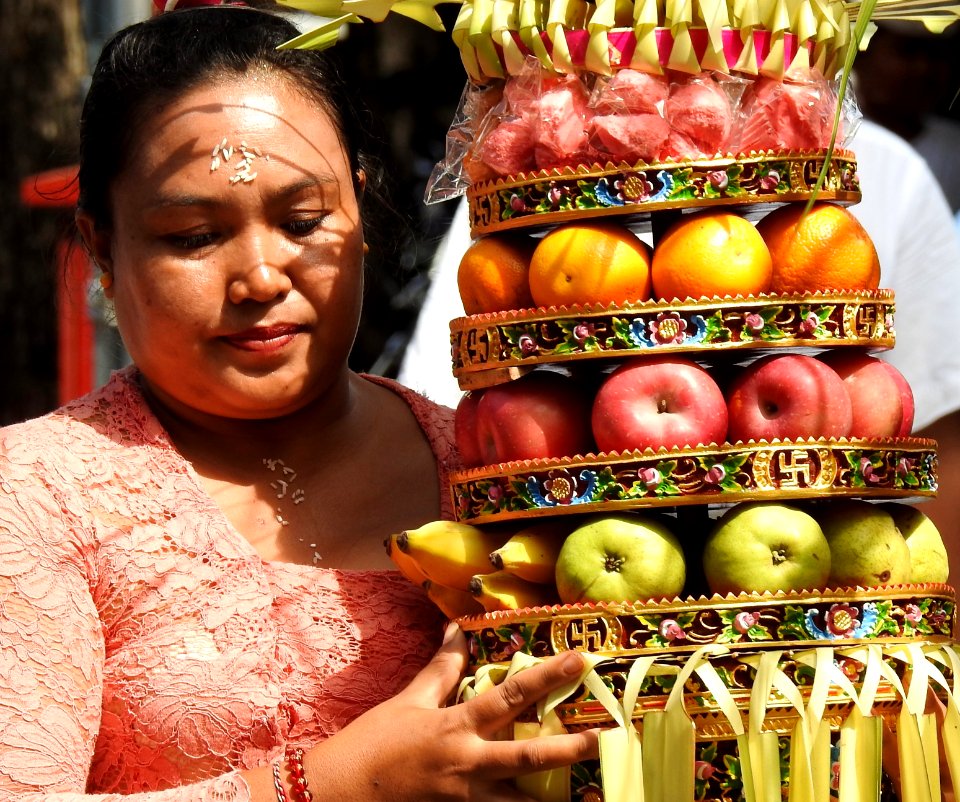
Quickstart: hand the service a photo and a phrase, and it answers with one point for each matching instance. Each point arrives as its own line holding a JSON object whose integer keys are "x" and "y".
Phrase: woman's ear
{"x": 96, "y": 240}
{"x": 361, "y": 181}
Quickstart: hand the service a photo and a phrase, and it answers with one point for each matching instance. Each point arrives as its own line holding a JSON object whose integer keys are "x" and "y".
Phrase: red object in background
{"x": 75, "y": 337}
{"x": 75, "y": 331}
{"x": 52, "y": 188}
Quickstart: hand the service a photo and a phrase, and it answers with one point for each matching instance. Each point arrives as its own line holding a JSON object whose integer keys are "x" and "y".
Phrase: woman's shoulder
{"x": 114, "y": 416}
{"x": 436, "y": 420}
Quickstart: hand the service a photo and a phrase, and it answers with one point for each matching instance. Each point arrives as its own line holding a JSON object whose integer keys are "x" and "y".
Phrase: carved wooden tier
{"x": 492, "y": 348}
{"x": 903, "y": 468}
{"x": 586, "y": 192}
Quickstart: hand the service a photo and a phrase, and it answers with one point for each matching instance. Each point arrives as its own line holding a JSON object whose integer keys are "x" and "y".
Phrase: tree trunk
{"x": 42, "y": 65}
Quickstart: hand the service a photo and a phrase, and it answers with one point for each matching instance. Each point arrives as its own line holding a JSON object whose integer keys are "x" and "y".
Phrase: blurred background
{"x": 56, "y": 342}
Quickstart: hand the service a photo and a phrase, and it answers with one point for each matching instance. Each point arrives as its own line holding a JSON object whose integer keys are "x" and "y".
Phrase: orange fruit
{"x": 827, "y": 249}
{"x": 590, "y": 263}
{"x": 492, "y": 276}
{"x": 710, "y": 254}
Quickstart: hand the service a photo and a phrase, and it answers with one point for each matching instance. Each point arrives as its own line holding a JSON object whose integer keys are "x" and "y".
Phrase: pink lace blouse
{"x": 145, "y": 647}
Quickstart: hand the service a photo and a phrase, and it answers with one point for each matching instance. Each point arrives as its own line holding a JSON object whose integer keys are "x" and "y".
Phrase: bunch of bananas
{"x": 467, "y": 570}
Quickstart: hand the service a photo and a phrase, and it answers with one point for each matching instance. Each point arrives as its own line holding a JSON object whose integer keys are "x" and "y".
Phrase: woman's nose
{"x": 263, "y": 276}
{"x": 259, "y": 283}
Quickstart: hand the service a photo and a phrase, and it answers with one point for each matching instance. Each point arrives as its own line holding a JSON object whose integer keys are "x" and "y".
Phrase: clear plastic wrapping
{"x": 538, "y": 120}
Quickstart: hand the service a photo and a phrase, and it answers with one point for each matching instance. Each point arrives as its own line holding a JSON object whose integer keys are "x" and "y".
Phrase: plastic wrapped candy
{"x": 538, "y": 120}
{"x": 702, "y": 114}
{"x": 792, "y": 114}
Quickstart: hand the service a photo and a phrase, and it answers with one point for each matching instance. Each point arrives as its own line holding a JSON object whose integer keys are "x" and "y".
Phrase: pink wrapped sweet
{"x": 521, "y": 91}
{"x": 629, "y": 137}
{"x": 631, "y": 92}
{"x": 508, "y": 148}
{"x": 700, "y": 118}
{"x": 561, "y": 115}
{"x": 779, "y": 115}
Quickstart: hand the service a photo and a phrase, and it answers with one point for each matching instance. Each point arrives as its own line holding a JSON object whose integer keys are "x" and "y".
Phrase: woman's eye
{"x": 188, "y": 242}
{"x": 304, "y": 226}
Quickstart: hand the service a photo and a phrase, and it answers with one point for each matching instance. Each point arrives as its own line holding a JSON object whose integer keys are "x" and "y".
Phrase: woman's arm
{"x": 52, "y": 652}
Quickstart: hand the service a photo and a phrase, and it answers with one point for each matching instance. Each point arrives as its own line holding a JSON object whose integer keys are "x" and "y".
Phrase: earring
{"x": 106, "y": 280}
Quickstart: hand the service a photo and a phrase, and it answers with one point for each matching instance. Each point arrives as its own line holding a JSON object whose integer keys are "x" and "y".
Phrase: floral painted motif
{"x": 814, "y": 320}
{"x": 668, "y": 328}
{"x": 881, "y": 469}
{"x": 754, "y": 323}
{"x": 527, "y": 345}
{"x": 562, "y": 488}
{"x": 671, "y": 631}
{"x": 744, "y": 622}
{"x": 718, "y": 181}
{"x": 655, "y": 481}
{"x": 504, "y": 202}
{"x": 534, "y": 337}
{"x": 715, "y": 475}
{"x": 743, "y": 626}
{"x": 724, "y": 474}
{"x": 771, "y": 181}
{"x": 734, "y": 471}
{"x": 921, "y": 619}
{"x": 653, "y": 628}
{"x": 842, "y": 620}
{"x": 665, "y": 329}
{"x": 664, "y": 630}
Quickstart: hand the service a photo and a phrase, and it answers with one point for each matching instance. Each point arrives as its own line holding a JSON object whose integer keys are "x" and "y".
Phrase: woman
{"x": 193, "y": 583}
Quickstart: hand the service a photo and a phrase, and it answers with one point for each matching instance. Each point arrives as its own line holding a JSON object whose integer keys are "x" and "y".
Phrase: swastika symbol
{"x": 794, "y": 468}
{"x": 586, "y": 634}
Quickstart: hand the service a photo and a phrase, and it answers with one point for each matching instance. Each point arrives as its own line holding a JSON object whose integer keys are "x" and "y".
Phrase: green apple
{"x": 866, "y": 548}
{"x": 757, "y": 547}
{"x": 620, "y": 558}
{"x": 928, "y": 554}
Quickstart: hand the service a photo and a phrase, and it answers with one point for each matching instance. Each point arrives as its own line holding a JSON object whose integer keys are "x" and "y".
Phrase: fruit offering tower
{"x": 683, "y": 457}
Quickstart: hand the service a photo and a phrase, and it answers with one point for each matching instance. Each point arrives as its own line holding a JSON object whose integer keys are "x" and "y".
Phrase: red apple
{"x": 881, "y": 398}
{"x": 665, "y": 401}
{"x": 541, "y": 415}
{"x": 788, "y": 396}
{"x": 465, "y": 430}
{"x": 906, "y": 399}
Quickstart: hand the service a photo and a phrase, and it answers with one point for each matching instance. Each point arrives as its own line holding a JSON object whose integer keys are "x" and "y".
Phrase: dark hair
{"x": 152, "y": 62}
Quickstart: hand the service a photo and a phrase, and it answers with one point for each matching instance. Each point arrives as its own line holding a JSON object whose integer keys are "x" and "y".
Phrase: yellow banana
{"x": 450, "y": 552}
{"x": 404, "y": 562}
{"x": 501, "y": 590}
{"x": 453, "y": 603}
{"x": 531, "y": 553}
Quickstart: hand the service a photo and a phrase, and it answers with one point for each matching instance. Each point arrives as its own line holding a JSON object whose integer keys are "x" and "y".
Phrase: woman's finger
{"x": 438, "y": 679}
{"x": 496, "y": 708}
{"x": 504, "y": 759}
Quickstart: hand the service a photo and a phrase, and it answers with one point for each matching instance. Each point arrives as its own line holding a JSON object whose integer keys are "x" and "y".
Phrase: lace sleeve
{"x": 52, "y": 653}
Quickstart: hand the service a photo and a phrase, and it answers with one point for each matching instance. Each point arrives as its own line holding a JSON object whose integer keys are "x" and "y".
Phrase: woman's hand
{"x": 413, "y": 748}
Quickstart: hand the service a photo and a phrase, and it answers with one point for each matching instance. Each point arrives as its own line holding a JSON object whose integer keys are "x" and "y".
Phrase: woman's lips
{"x": 263, "y": 338}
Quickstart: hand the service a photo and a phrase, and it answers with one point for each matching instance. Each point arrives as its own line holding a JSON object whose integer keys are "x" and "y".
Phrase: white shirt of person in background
{"x": 903, "y": 210}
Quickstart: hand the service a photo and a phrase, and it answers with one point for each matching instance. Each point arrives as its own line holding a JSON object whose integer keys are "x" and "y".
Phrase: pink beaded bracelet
{"x": 298, "y": 778}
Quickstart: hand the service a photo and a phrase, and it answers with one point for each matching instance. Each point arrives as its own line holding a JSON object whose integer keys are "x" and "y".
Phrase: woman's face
{"x": 236, "y": 250}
